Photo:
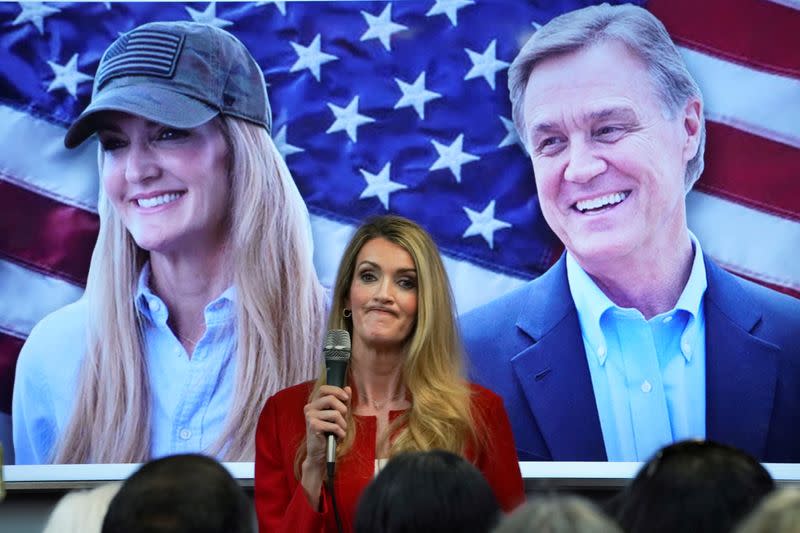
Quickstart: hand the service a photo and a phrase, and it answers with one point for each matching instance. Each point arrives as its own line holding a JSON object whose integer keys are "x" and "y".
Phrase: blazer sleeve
{"x": 498, "y": 458}
{"x": 280, "y": 502}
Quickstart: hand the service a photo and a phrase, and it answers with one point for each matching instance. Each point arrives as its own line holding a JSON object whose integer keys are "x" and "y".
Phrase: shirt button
{"x": 646, "y": 387}
{"x": 155, "y": 306}
{"x": 185, "y": 434}
{"x": 601, "y": 350}
{"x": 667, "y": 319}
{"x": 687, "y": 350}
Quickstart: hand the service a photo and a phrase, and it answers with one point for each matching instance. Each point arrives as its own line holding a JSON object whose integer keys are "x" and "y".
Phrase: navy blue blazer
{"x": 527, "y": 347}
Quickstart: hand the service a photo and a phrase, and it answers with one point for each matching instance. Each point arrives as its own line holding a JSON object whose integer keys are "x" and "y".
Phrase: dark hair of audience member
{"x": 180, "y": 494}
{"x": 777, "y": 513}
{"x": 558, "y": 514}
{"x": 427, "y": 491}
{"x": 697, "y": 486}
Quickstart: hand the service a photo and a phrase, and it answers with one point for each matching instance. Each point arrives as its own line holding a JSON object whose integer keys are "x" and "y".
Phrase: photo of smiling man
{"x": 634, "y": 338}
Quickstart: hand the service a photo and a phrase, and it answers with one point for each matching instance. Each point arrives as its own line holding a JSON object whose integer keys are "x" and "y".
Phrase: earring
{"x": 347, "y": 313}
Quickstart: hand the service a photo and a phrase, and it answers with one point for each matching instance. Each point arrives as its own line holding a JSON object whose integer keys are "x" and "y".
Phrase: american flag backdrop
{"x": 394, "y": 106}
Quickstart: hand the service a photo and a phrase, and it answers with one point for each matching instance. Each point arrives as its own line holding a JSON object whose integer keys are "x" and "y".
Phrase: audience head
{"x": 427, "y": 491}
{"x": 81, "y": 511}
{"x": 558, "y": 514}
{"x": 180, "y": 494}
{"x": 698, "y": 486}
{"x": 778, "y": 513}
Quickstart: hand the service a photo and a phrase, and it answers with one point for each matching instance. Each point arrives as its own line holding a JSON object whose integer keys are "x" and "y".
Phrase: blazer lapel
{"x": 741, "y": 369}
{"x": 554, "y": 374}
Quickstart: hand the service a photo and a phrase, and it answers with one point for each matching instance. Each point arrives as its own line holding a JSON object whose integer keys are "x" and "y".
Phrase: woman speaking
{"x": 405, "y": 390}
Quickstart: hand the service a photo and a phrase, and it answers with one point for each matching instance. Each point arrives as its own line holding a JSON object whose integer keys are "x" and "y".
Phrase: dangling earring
{"x": 347, "y": 313}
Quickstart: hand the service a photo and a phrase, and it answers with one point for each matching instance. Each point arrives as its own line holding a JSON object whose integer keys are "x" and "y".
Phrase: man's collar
{"x": 592, "y": 303}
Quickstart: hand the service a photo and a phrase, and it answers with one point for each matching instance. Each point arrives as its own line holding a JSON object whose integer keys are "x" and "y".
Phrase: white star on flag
{"x": 208, "y": 16}
{"x": 67, "y": 76}
{"x": 35, "y": 13}
{"x": 415, "y": 95}
{"x": 484, "y": 224}
{"x": 382, "y": 27}
{"x": 277, "y": 3}
{"x": 449, "y": 8}
{"x": 283, "y": 146}
{"x": 485, "y": 64}
{"x": 311, "y": 57}
{"x": 512, "y": 137}
{"x": 380, "y": 185}
{"x": 348, "y": 119}
{"x": 452, "y": 157}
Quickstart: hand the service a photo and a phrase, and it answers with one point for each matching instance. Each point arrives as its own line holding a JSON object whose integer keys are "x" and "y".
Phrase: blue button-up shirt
{"x": 648, "y": 375}
{"x": 190, "y": 397}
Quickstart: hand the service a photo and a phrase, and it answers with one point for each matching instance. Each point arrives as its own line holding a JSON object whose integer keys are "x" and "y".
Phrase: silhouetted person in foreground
{"x": 427, "y": 491}
{"x": 180, "y": 494}
{"x": 697, "y": 486}
{"x": 558, "y": 514}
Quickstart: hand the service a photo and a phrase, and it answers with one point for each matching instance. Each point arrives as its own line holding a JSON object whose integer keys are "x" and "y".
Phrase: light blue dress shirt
{"x": 190, "y": 397}
{"x": 649, "y": 376}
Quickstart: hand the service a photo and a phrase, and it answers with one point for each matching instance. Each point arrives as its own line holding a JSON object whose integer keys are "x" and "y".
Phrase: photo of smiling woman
{"x": 405, "y": 390}
{"x": 201, "y": 273}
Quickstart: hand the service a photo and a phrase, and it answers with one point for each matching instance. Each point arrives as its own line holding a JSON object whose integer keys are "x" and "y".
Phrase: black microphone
{"x": 337, "y": 355}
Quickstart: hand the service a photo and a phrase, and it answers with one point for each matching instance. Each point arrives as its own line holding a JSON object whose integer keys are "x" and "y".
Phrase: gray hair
{"x": 642, "y": 33}
{"x": 558, "y": 514}
{"x": 778, "y": 513}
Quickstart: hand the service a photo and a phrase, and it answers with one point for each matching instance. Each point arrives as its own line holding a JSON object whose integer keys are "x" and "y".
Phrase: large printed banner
{"x": 393, "y": 107}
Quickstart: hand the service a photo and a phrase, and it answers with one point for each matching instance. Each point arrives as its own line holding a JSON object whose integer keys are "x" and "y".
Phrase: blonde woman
{"x": 201, "y": 273}
{"x": 405, "y": 390}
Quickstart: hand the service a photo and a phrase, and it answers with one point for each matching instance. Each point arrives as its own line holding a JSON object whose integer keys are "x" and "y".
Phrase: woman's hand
{"x": 325, "y": 414}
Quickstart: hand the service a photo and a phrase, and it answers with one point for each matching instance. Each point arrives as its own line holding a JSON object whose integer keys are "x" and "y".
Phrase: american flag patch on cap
{"x": 141, "y": 53}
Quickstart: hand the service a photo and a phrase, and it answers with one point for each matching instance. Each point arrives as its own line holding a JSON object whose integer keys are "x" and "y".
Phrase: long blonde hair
{"x": 440, "y": 415}
{"x": 277, "y": 292}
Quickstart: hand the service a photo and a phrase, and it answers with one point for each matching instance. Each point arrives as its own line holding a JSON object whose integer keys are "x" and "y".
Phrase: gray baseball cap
{"x": 181, "y": 74}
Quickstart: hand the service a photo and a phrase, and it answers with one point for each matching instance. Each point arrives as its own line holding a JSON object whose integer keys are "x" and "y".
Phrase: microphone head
{"x": 337, "y": 345}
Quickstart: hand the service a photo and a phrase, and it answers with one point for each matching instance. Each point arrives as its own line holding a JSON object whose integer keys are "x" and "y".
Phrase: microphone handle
{"x": 335, "y": 371}
{"x": 330, "y": 449}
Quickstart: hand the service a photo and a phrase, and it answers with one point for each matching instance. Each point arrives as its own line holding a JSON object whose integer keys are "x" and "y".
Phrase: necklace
{"x": 379, "y": 405}
{"x": 186, "y": 340}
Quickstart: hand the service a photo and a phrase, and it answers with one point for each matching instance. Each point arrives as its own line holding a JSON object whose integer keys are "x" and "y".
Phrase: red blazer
{"x": 280, "y": 502}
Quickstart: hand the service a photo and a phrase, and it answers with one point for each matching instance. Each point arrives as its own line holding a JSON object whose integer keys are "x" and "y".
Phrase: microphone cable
{"x": 331, "y": 470}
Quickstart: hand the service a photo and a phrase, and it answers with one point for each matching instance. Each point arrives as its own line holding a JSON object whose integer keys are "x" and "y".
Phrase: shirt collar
{"x": 692, "y": 296}
{"x": 152, "y": 307}
{"x": 592, "y": 303}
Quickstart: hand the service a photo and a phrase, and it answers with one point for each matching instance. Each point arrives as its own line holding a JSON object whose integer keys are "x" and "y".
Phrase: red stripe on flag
{"x": 46, "y": 235}
{"x": 751, "y": 170}
{"x": 9, "y": 350}
{"x": 765, "y": 35}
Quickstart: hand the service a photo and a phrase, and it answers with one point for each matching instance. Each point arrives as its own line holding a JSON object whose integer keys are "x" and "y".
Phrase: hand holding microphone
{"x": 325, "y": 414}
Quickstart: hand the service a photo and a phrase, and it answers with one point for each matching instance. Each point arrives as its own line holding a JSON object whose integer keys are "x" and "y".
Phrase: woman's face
{"x": 383, "y": 295}
{"x": 169, "y": 186}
